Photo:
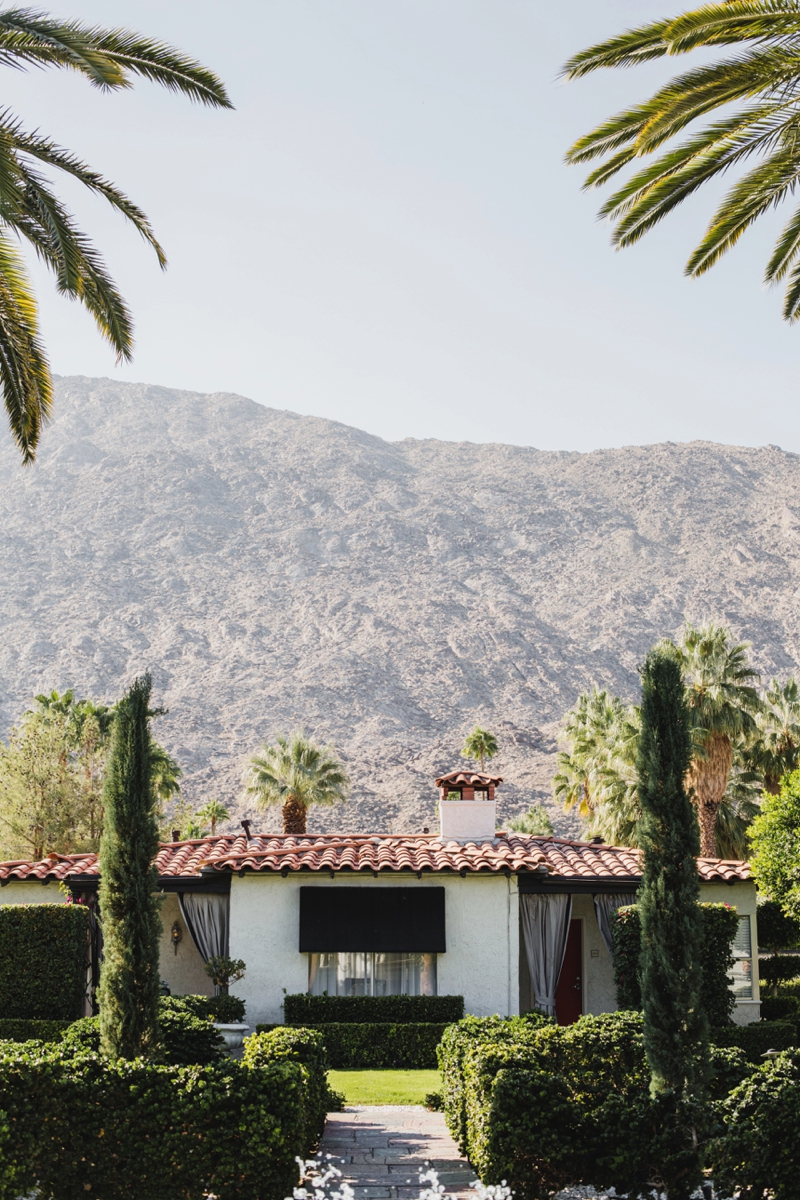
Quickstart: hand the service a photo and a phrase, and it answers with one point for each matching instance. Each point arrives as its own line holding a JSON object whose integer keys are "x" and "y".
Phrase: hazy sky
{"x": 384, "y": 232}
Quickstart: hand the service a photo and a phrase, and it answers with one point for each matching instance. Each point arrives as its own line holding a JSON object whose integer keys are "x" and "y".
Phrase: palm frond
{"x": 162, "y": 64}
{"x": 24, "y": 373}
{"x": 628, "y": 50}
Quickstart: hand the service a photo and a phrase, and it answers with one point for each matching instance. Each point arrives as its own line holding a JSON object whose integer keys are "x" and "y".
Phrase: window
{"x": 367, "y": 974}
{"x": 741, "y": 950}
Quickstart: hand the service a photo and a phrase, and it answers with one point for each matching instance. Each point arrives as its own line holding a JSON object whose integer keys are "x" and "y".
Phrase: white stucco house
{"x": 505, "y": 919}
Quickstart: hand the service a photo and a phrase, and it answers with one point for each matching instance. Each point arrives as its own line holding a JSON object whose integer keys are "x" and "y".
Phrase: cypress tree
{"x": 129, "y": 908}
{"x": 675, "y": 1026}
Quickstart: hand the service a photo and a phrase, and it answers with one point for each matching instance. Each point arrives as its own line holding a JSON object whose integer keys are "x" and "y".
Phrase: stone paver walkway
{"x": 385, "y": 1147}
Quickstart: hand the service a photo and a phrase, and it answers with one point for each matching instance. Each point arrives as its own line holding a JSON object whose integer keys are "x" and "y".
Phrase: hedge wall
{"x": 302, "y": 1009}
{"x": 43, "y": 954}
{"x": 719, "y": 929}
{"x": 780, "y": 1008}
{"x": 757, "y": 1038}
{"x": 301, "y": 1046}
{"x": 72, "y": 1126}
{"x": 14, "y": 1029}
{"x": 371, "y": 1045}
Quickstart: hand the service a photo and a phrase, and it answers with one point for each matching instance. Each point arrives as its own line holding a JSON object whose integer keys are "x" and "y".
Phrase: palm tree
{"x": 296, "y": 773}
{"x": 213, "y": 812}
{"x": 165, "y": 774}
{"x": 480, "y": 744}
{"x": 30, "y": 210}
{"x": 722, "y": 705}
{"x": 598, "y": 771}
{"x": 764, "y": 76}
{"x": 776, "y": 748}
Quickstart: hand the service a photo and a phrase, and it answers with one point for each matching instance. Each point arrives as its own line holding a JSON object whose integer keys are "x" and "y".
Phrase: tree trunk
{"x": 708, "y": 778}
{"x": 294, "y": 816}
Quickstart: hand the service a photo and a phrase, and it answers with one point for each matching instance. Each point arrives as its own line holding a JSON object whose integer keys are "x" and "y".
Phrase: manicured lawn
{"x": 385, "y": 1087}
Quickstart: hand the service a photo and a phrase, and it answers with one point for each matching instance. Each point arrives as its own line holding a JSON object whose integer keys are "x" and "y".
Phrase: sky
{"x": 384, "y": 231}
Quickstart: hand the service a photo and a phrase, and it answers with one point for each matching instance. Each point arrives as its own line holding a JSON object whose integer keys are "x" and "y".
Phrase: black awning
{"x": 407, "y": 919}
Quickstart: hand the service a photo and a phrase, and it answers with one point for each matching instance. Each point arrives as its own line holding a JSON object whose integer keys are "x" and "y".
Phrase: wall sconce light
{"x": 177, "y": 936}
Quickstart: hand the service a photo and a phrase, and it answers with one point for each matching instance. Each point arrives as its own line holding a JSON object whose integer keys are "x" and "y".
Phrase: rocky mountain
{"x": 275, "y": 571}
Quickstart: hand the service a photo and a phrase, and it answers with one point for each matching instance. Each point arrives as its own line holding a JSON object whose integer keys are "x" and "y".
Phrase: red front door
{"x": 569, "y": 993}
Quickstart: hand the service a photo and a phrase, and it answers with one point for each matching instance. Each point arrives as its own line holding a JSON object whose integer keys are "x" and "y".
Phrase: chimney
{"x": 176, "y": 835}
{"x": 246, "y": 827}
{"x": 467, "y": 807}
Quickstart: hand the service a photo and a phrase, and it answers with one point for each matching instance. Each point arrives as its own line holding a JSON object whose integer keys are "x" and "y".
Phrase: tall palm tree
{"x": 723, "y": 705}
{"x": 763, "y": 78}
{"x": 296, "y": 773}
{"x": 776, "y": 748}
{"x": 213, "y": 812}
{"x": 30, "y": 210}
{"x": 480, "y": 744}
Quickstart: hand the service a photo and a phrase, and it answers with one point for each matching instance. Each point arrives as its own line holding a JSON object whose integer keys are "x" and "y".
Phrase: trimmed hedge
{"x": 228, "y": 1010}
{"x": 82, "y": 1126}
{"x": 302, "y": 1009}
{"x": 547, "y": 1107}
{"x": 185, "y": 1039}
{"x": 755, "y": 1039}
{"x": 14, "y": 1029}
{"x": 719, "y": 930}
{"x": 780, "y": 1008}
{"x": 43, "y": 955}
{"x": 375, "y": 1045}
{"x": 304, "y": 1046}
{"x": 757, "y": 1156}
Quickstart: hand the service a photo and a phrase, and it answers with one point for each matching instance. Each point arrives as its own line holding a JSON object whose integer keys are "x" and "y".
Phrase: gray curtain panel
{"x": 545, "y": 928}
{"x": 207, "y": 918}
{"x": 604, "y": 906}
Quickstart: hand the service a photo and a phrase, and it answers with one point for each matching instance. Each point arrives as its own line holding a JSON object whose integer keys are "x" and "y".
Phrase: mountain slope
{"x": 274, "y": 570}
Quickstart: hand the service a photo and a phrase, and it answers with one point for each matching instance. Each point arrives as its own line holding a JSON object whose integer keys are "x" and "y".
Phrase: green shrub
{"x": 730, "y": 1066}
{"x": 776, "y": 931}
{"x": 779, "y": 968}
{"x": 86, "y": 1125}
{"x": 14, "y": 1029}
{"x": 755, "y": 1039}
{"x": 226, "y": 1009}
{"x": 304, "y": 1046}
{"x": 43, "y": 955}
{"x": 381, "y": 1044}
{"x": 757, "y": 1156}
{"x": 457, "y": 1040}
{"x": 719, "y": 930}
{"x": 185, "y": 1039}
{"x": 302, "y": 1009}
{"x": 780, "y": 1008}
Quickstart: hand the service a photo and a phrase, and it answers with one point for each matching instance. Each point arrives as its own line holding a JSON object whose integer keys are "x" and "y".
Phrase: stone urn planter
{"x": 232, "y": 1035}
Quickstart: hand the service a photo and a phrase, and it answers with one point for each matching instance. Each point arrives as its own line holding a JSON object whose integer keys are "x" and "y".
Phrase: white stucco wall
{"x": 23, "y": 892}
{"x": 742, "y": 897}
{"x": 481, "y": 922}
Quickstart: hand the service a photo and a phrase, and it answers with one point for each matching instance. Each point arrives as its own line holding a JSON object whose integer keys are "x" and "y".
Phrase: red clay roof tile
{"x": 468, "y": 779}
{"x": 513, "y": 852}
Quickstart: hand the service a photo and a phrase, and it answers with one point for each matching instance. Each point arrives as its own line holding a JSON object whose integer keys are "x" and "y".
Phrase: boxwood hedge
{"x": 91, "y": 1126}
{"x": 302, "y": 1009}
{"x": 719, "y": 929}
{"x": 16, "y": 1030}
{"x": 376, "y": 1045}
{"x": 43, "y": 956}
{"x": 546, "y": 1107}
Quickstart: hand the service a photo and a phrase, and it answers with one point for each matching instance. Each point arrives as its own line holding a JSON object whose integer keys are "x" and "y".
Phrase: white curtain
{"x": 604, "y": 906}
{"x": 207, "y": 919}
{"x": 545, "y": 928}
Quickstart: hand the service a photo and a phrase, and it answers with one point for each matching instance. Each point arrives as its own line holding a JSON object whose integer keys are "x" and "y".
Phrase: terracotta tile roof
{"x": 468, "y": 779}
{"x": 515, "y": 852}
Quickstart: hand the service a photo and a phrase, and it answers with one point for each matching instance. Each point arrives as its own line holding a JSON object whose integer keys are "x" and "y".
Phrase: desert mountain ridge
{"x": 274, "y": 571}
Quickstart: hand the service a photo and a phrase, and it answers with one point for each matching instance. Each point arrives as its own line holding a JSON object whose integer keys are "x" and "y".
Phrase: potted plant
{"x": 223, "y": 971}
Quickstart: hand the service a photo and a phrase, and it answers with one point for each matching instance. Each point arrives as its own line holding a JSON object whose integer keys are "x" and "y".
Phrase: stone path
{"x": 385, "y": 1147}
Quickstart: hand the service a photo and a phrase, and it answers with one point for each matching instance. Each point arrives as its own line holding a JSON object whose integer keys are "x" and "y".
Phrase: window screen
{"x": 372, "y": 918}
